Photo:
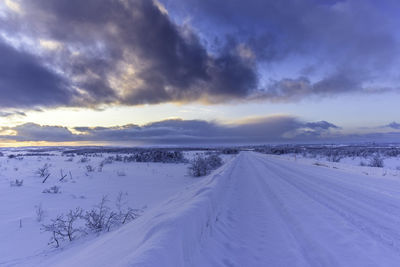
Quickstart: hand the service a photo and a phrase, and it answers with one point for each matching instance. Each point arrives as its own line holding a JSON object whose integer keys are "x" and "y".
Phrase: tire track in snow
{"x": 310, "y": 249}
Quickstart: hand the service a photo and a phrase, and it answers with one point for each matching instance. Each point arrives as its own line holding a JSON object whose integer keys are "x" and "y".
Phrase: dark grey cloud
{"x": 273, "y": 129}
{"x": 321, "y": 125}
{"x": 344, "y": 46}
{"x": 131, "y": 52}
{"x": 35, "y": 132}
{"x": 294, "y": 89}
{"x": 26, "y": 82}
{"x": 177, "y": 131}
{"x": 393, "y": 125}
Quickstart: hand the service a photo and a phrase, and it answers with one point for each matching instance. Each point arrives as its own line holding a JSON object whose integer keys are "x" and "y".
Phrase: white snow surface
{"x": 256, "y": 210}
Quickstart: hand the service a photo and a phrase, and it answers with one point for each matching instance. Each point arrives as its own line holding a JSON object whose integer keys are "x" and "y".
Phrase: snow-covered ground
{"x": 144, "y": 186}
{"x": 256, "y": 210}
{"x": 391, "y": 165}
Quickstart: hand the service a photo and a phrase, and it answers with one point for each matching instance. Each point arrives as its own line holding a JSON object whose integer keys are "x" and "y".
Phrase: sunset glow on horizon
{"x": 196, "y": 72}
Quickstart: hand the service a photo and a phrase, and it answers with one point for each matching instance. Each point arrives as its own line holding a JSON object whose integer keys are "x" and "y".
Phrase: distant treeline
{"x": 131, "y": 150}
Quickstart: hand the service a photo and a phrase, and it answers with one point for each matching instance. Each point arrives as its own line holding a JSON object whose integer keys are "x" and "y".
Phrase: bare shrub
{"x": 84, "y": 160}
{"x": 108, "y": 160}
{"x": 101, "y": 217}
{"x": 230, "y": 151}
{"x": 64, "y": 227}
{"x": 43, "y": 171}
{"x": 17, "y": 182}
{"x": 121, "y": 173}
{"x": 62, "y": 175}
{"x": 201, "y": 166}
{"x": 89, "y": 168}
{"x": 214, "y": 161}
{"x": 198, "y": 167}
{"x": 334, "y": 158}
{"x": 52, "y": 190}
{"x": 376, "y": 161}
{"x": 125, "y": 214}
{"x": 39, "y": 212}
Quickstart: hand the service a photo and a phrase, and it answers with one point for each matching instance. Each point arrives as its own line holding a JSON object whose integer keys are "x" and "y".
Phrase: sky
{"x": 198, "y": 72}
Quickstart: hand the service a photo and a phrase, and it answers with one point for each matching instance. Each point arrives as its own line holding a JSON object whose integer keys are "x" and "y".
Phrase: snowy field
{"x": 377, "y": 160}
{"x": 254, "y": 210}
{"x": 81, "y": 181}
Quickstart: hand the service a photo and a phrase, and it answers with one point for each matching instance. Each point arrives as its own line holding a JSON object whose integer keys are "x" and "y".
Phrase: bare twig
{"x": 62, "y": 175}
{"x": 48, "y": 175}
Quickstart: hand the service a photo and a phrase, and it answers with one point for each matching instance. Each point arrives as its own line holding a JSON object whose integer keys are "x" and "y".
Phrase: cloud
{"x": 25, "y": 82}
{"x": 326, "y": 40}
{"x": 324, "y": 125}
{"x": 89, "y": 53}
{"x": 261, "y": 130}
{"x": 12, "y": 113}
{"x": 393, "y": 125}
{"x": 126, "y": 52}
{"x": 35, "y": 132}
{"x": 177, "y": 131}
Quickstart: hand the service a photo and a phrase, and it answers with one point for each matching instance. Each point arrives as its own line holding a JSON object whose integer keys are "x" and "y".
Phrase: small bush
{"x": 101, "y": 217}
{"x": 230, "y": 151}
{"x": 39, "y": 212}
{"x": 63, "y": 227}
{"x": 201, "y": 166}
{"x": 43, "y": 171}
{"x": 89, "y": 168}
{"x": 376, "y": 161}
{"x": 125, "y": 214}
{"x": 198, "y": 167}
{"x": 118, "y": 158}
{"x": 52, "y": 190}
{"x": 17, "y": 182}
{"x": 121, "y": 173}
{"x": 214, "y": 161}
{"x": 334, "y": 158}
{"x": 84, "y": 160}
{"x": 108, "y": 160}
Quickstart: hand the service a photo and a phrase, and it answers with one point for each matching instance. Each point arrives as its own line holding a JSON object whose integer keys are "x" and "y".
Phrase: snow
{"x": 256, "y": 210}
{"x": 348, "y": 164}
{"x": 146, "y": 185}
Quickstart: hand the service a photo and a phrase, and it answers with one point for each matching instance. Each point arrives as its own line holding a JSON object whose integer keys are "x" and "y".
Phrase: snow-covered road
{"x": 258, "y": 210}
{"x": 280, "y": 213}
